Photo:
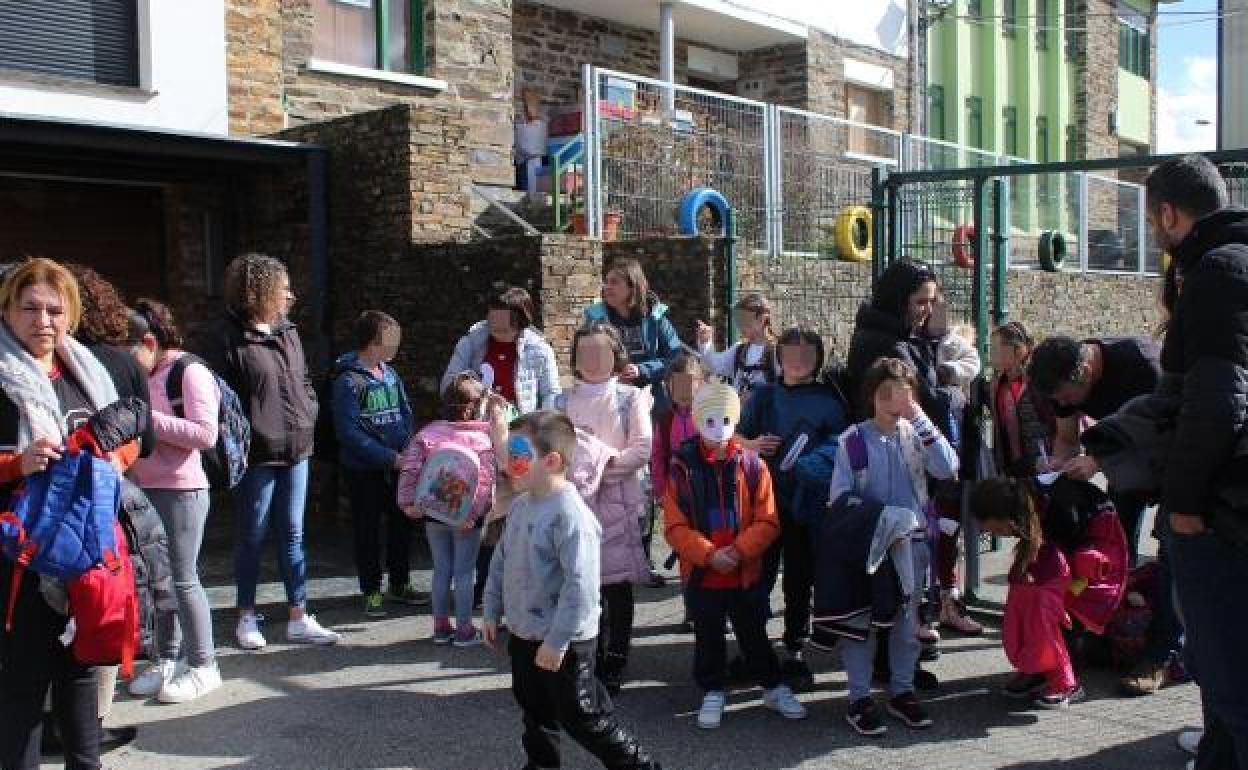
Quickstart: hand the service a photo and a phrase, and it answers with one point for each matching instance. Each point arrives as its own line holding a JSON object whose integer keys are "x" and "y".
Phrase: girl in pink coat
{"x": 618, "y": 416}
{"x": 1071, "y": 560}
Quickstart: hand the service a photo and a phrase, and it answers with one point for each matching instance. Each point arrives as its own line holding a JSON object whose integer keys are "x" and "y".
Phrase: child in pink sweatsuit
{"x": 1071, "y": 560}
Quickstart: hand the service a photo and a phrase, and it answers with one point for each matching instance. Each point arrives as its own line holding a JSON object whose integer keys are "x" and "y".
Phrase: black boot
{"x": 796, "y": 674}
{"x": 611, "y": 672}
{"x": 115, "y": 737}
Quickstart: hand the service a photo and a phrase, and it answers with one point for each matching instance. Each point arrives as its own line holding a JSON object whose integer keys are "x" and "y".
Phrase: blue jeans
{"x": 1211, "y": 575}
{"x": 454, "y": 558}
{"x": 271, "y": 495}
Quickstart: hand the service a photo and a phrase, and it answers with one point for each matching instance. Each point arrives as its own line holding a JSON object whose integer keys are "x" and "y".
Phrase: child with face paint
{"x": 751, "y": 361}
{"x": 455, "y": 549}
{"x": 902, "y": 448}
{"x": 720, "y": 517}
{"x": 618, "y": 415}
{"x": 545, "y": 579}
{"x": 794, "y": 424}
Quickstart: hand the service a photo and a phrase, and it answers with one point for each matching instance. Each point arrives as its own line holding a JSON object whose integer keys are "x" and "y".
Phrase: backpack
{"x": 225, "y": 464}
{"x": 451, "y": 488}
{"x": 766, "y": 365}
{"x": 104, "y": 610}
{"x": 325, "y": 445}
{"x": 62, "y": 521}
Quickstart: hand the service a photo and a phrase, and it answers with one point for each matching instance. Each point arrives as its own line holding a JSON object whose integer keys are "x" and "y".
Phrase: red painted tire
{"x": 962, "y": 246}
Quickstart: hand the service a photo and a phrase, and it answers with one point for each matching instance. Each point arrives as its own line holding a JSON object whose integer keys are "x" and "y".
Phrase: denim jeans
{"x": 271, "y": 495}
{"x": 184, "y": 513}
{"x": 454, "y": 559}
{"x": 1211, "y": 575}
{"x": 710, "y": 608}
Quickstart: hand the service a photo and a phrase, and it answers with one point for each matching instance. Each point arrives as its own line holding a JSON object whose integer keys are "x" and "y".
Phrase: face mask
{"x": 716, "y": 411}
{"x": 520, "y": 456}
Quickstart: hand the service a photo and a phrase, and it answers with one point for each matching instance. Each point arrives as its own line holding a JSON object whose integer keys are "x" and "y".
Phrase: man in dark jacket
{"x": 1205, "y": 489}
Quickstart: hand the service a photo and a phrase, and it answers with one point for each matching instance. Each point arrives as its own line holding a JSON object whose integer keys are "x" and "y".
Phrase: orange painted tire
{"x": 962, "y": 246}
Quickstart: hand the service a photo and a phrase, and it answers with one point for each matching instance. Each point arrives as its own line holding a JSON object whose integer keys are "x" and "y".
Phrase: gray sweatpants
{"x": 184, "y": 513}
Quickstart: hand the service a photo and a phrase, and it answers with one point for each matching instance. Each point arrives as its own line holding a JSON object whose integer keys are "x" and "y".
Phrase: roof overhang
{"x": 720, "y": 23}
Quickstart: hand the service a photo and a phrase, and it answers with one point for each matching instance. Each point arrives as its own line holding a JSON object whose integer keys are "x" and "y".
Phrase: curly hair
{"x": 251, "y": 286}
{"x": 160, "y": 323}
{"x": 105, "y": 317}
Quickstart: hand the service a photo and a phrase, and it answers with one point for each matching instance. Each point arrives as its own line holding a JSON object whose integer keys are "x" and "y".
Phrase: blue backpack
{"x": 61, "y": 522}
{"x": 225, "y": 463}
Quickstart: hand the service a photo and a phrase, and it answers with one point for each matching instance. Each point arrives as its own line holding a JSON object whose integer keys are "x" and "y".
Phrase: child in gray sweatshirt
{"x": 544, "y": 579}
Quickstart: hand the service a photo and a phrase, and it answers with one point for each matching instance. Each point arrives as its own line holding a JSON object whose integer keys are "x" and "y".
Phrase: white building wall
{"x": 183, "y": 88}
{"x": 880, "y": 24}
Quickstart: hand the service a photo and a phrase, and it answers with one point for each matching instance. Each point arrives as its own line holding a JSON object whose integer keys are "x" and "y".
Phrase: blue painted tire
{"x": 693, "y": 202}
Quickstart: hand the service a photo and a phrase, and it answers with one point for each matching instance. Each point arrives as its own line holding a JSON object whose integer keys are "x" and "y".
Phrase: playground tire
{"x": 1052, "y": 250}
{"x": 853, "y": 234}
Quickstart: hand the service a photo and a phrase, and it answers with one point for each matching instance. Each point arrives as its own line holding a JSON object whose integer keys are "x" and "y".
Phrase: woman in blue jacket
{"x": 649, "y": 336}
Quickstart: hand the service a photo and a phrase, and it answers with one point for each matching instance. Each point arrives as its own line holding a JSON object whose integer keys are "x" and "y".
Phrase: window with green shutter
{"x": 375, "y": 34}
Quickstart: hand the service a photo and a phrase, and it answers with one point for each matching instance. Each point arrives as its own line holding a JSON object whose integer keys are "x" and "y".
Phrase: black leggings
{"x": 34, "y": 661}
{"x": 615, "y": 628}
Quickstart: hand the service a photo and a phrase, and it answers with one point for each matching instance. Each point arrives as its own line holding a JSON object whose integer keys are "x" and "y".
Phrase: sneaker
{"x": 1062, "y": 700}
{"x": 1191, "y": 764}
{"x": 925, "y": 680}
{"x": 405, "y": 594}
{"x": 1021, "y": 686}
{"x": 906, "y": 707}
{"x": 248, "y": 633}
{"x": 712, "y": 710}
{"x": 193, "y": 682}
{"x": 1189, "y": 741}
{"x": 953, "y": 616}
{"x": 928, "y": 653}
{"x": 153, "y": 678}
{"x": 443, "y": 634}
{"x": 308, "y": 631}
{"x": 656, "y": 580}
{"x": 928, "y": 635}
{"x": 471, "y": 638}
{"x": 1145, "y": 679}
{"x": 797, "y": 675}
{"x": 374, "y": 605}
{"x": 864, "y": 717}
{"x": 780, "y": 699}
{"x": 1176, "y": 671}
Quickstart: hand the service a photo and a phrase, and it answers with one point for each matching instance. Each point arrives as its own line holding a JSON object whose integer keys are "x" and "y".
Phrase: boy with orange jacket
{"x": 720, "y": 517}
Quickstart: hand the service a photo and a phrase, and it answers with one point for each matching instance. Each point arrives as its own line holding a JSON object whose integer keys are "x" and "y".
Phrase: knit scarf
{"x": 27, "y": 385}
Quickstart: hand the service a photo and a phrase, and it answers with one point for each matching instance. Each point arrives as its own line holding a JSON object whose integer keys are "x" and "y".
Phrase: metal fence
{"x": 652, "y": 142}
{"x": 791, "y": 176}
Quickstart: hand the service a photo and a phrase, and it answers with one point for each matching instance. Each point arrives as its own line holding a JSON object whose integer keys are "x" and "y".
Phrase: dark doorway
{"x": 118, "y": 229}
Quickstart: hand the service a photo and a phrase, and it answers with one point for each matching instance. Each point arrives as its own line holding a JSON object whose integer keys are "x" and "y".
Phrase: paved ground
{"x": 387, "y": 698}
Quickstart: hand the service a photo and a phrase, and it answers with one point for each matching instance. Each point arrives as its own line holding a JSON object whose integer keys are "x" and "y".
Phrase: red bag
{"x": 105, "y": 611}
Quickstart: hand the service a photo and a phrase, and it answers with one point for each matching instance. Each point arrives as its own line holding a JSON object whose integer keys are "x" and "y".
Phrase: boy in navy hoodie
{"x": 373, "y": 423}
{"x": 794, "y": 424}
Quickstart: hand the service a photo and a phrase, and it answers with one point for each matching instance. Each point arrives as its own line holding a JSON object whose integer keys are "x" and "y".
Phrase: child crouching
{"x": 720, "y": 517}
{"x": 544, "y": 579}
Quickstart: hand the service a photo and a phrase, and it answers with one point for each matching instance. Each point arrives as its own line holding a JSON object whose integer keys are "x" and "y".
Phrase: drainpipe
{"x": 667, "y": 55}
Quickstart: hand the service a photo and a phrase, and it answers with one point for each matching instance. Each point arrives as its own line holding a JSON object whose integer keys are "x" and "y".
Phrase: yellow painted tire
{"x": 853, "y": 234}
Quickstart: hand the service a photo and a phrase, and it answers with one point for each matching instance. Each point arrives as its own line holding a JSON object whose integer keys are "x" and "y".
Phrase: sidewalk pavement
{"x": 386, "y": 697}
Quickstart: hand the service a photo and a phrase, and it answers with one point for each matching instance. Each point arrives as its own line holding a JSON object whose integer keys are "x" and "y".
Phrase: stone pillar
{"x": 253, "y": 54}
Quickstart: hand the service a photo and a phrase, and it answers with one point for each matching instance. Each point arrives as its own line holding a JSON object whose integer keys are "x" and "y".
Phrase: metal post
{"x": 978, "y": 304}
{"x": 1141, "y": 228}
{"x": 667, "y": 56}
{"x": 730, "y": 259}
{"x": 1083, "y": 221}
{"x": 382, "y": 22}
{"x": 1000, "y": 254}
{"x": 591, "y": 126}
{"x": 777, "y": 184}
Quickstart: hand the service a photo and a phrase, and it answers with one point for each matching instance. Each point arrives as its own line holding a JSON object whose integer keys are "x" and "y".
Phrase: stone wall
{"x": 825, "y": 73}
{"x": 782, "y": 71}
{"x": 467, "y": 43}
{"x": 1096, "y": 82}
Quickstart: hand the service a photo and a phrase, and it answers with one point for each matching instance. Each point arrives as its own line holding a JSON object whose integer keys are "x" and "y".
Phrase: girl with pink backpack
{"x": 448, "y": 479}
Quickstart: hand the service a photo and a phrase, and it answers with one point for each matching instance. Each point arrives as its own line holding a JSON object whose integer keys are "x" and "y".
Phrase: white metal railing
{"x": 790, "y": 174}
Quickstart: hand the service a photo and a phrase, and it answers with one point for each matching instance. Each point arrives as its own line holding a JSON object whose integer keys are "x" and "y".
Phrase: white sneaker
{"x": 193, "y": 682}
{"x": 781, "y": 700}
{"x": 153, "y": 678}
{"x": 712, "y": 711}
{"x": 248, "y": 633}
{"x": 1191, "y": 764}
{"x": 308, "y": 631}
{"x": 1189, "y": 741}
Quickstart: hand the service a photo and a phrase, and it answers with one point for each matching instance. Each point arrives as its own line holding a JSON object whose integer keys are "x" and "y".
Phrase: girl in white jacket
{"x": 751, "y": 361}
